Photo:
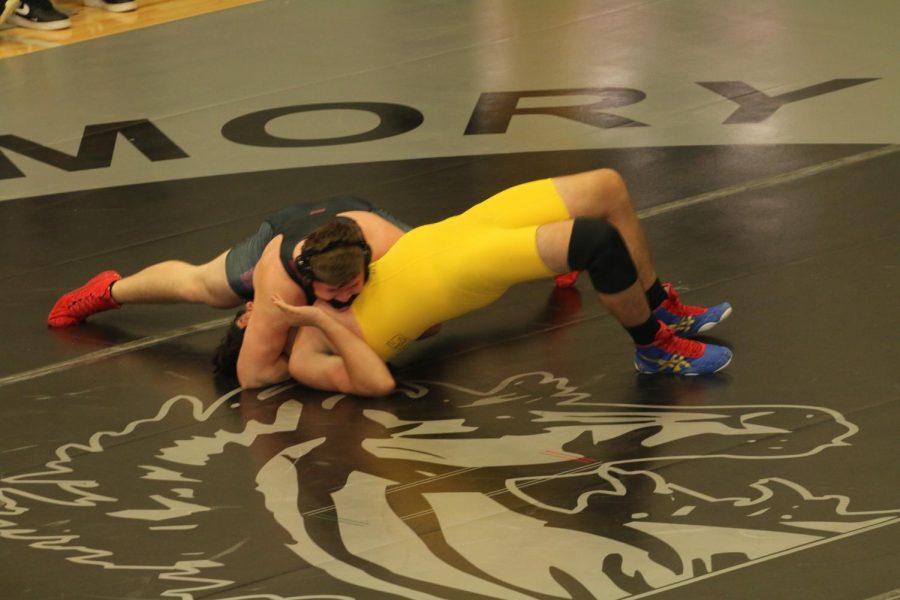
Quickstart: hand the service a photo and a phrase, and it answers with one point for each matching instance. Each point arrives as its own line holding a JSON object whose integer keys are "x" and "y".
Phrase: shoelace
{"x": 674, "y": 305}
{"x": 670, "y": 342}
{"x": 82, "y": 302}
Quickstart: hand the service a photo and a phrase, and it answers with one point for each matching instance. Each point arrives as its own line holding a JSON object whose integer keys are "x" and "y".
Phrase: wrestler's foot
{"x": 566, "y": 280}
{"x": 669, "y": 353}
{"x": 93, "y": 297}
{"x": 689, "y": 320}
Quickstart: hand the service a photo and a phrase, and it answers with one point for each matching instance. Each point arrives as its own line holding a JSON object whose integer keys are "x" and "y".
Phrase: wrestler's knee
{"x": 598, "y": 193}
{"x": 597, "y": 247}
{"x": 385, "y": 386}
{"x": 608, "y": 186}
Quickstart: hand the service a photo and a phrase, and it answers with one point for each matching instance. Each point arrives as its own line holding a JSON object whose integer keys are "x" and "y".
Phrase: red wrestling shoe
{"x": 566, "y": 280}
{"x": 93, "y": 297}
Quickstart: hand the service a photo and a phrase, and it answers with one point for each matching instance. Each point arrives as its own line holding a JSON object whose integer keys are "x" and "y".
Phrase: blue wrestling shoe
{"x": 669, "y": 353}
{"x": 689, "y": 320}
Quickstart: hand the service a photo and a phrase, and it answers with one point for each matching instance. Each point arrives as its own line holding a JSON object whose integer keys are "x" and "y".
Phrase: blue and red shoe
{"x": 669, "y": 353}
{"x": 689, "y": 320}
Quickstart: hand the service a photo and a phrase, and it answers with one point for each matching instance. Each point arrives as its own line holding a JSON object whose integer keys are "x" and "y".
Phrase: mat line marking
{"x": 99, "y": 355}
{"x": 767, "y": 182}
{"x": 757, "y": 184}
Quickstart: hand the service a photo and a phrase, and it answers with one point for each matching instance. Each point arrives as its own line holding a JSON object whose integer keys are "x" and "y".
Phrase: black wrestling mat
{"x": 521, "y": 457}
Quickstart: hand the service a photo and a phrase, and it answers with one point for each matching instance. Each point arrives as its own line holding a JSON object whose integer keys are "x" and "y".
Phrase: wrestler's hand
{"x": 298, "y": 316}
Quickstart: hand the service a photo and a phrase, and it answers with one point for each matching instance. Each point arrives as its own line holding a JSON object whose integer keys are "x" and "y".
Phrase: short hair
{"x": 226, "y": 355}
{"x": 336, "y": 252}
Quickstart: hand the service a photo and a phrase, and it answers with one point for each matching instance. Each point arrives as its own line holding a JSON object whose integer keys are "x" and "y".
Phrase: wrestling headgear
{"x": 303, "y": 260}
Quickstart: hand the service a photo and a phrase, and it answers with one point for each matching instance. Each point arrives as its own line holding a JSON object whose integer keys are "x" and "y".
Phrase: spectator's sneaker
{"x": 112, "y": 5}
{"x": 689, "y": 320}
{"x": 39, "y": 14}
{"x": 679, "y": 356}
{"x": 93, "y": 297}
{"x": 566, "y": 280}
{"x": 7, "y": 8}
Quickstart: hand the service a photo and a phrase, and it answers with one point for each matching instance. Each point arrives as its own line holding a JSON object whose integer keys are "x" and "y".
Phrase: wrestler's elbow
{"x": 250, "y": 382}
{"x": 381, "y": 385}
{"x": 368, "y": 387}
{"x": 246, "y": 377}
{"x": 251, "y": 377}
{"x": 371, "y": 383}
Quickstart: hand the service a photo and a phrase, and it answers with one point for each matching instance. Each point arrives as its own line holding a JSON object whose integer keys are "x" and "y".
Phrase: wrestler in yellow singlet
{"x": 444, "y": 270}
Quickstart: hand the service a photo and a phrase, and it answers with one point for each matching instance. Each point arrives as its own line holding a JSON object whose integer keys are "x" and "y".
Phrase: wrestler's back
{"x": 438, "y": 272}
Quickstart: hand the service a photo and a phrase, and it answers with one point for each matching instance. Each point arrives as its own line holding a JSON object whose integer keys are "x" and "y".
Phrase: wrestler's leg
{"x": 603, "y": 193}
{"x": 224, "y": 282}
{"x": 628, "y": 305}
{"x": 598, "y": 193}
{"x": 169, "y": 281}
{"x": 177, "y": 281}
{"x": 597, "y": 247}
{"x": 527, "y": 204}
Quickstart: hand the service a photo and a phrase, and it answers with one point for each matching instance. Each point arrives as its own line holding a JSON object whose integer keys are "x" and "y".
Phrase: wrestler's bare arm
{"x": 328, "y": 355}
{"x": 259, "y": 362}
{"x": 262, "y": 360}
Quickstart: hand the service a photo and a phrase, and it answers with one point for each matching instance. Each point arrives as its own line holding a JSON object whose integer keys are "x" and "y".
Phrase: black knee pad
{"x": 597, "y": 247}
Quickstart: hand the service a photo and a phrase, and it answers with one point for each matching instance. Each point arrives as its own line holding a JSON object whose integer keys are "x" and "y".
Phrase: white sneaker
{"x": 112, "y": 5}
{"x": 39, "y": 14}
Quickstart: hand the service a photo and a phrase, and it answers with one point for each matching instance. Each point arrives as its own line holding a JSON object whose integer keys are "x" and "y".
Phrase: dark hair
{"x": 336, "y": 252}
{"x": 225, "y": 359}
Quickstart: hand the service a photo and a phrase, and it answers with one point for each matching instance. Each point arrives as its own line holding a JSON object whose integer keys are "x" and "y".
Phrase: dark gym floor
{"x": 522, "y": 456}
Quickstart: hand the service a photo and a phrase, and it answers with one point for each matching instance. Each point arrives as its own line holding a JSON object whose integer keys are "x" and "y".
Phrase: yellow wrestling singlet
{"x": 441, "y": 271}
